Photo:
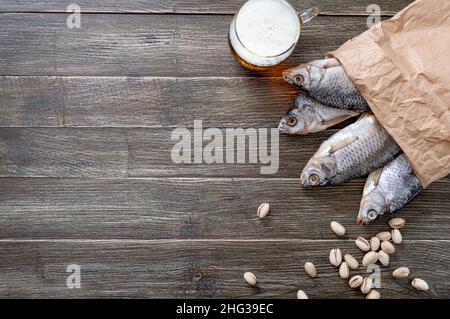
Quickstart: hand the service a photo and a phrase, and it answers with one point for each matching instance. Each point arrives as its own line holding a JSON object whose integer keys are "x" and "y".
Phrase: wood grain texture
{"x": 113, "y": 152}
{"x": 31, "y": 102}
{"x": 205, "y": 269}
{"x": 180, "y": 208}
{"x": 67, "y": 152}
{"x": 145, "y": 45}
{"x": 139, "y": 152}
{"x": 86, "y": 175}
{"x": 143, "y": 101}
{"x": 345, "y": 7}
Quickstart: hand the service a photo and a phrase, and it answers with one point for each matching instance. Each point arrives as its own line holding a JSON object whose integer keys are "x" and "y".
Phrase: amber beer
{"x": 264, "y": 33}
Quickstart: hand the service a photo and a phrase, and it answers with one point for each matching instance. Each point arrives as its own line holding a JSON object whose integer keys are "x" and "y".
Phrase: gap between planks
{"x": 201, "y": 7}
{"x": 170, "y": 241}
{"x": 145, "y": 77}
{"x": 171, "y": 13}
{"x": 174, "y": 178}
{"x": 151, "y": 44}
{"x": 166, "y": 178}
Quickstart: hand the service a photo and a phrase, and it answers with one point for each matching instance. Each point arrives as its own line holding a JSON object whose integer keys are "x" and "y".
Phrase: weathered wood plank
{"x": 205, "y": 269}
{"x": 106, "y": 152}
{"x": 143, "y": 102}
{"x": 148, "y": 45}
{"x": 345, "y": 7}
{"x": 150, "y": 155}
{"x": 112, "y": 152}
{"x": 166, "y": 208}
{"x": 31, "y": 101}
{"x": 63, "y": 152}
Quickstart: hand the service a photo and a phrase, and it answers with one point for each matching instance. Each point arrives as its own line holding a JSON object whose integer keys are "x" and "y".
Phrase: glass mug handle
{"x": 309, "y": 14}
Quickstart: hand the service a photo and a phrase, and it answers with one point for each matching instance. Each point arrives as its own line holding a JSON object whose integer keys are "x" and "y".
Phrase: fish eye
{"x": 314, "y": 179}
{"x": 372, "y": 214}
{"x": 292, "y": 121}
{"x": 299, "y": 79}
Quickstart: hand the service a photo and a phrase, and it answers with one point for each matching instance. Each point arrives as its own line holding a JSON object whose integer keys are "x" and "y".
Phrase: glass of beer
{"x": 264, "y": 33}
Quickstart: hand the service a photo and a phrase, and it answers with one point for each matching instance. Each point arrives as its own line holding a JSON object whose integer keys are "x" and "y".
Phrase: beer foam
{"x": 267, "y": 28}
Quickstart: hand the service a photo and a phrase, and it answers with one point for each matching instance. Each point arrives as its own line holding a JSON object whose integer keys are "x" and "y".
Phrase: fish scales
{"x": 309, "y": 116}
{"x": 354, "y": 151}
{"x": 327, "y": 82}
{"x": 388, "y": 190}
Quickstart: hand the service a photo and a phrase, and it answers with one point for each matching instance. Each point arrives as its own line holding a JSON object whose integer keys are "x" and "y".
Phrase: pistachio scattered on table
{"x": 401, "y": 272}
{"x": 373, "y": 294}
{"x": 355, "y": 281}
{"x": 335, "y": 257}
{"x": 362, "y": 244}
{"x": 387, "y": 247}
{"x": 420, "y": 284}
{"x": 263, "y": 210}
{"x": 250, "y": 278}
{"x": 351, "y": 261}
{"x": 370, "y": 258}
{"x": 344, "y": 270}
{"x": 396, "y": 236}
{"x": 337, "y": 228}
{"x": 302, "y": 295}
{"x": 397, "y": 223}
{"x": 310, "y": 269}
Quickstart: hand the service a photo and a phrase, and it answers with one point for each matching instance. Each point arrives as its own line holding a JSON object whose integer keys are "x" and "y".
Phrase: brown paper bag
{"x": 402, "y": 67}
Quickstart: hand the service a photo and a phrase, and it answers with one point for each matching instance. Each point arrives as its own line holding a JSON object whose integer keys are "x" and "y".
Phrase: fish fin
{"x": 341, "y": 144}
{"x": 376, "y": 175}
{"x": 372, "y": 181}
{"x": 330, "y": 63}
{"x": 337, "y": 120}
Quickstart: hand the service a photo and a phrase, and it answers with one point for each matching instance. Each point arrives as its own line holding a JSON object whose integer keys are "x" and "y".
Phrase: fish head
{"x": 292, "y": 123}
{"x": 300, "y": 119}
{"x": 317, "y": 172}
{"x": 304, "y": 76}
{"x": 372, "y": 207}
{"x": 298, "y": 76}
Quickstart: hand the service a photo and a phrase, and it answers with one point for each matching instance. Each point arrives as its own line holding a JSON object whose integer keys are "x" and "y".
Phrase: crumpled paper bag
{"x": 402, "y": 67}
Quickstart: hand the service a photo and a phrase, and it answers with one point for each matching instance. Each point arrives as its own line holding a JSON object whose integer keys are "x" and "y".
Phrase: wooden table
{"x": 87, "y": 178}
